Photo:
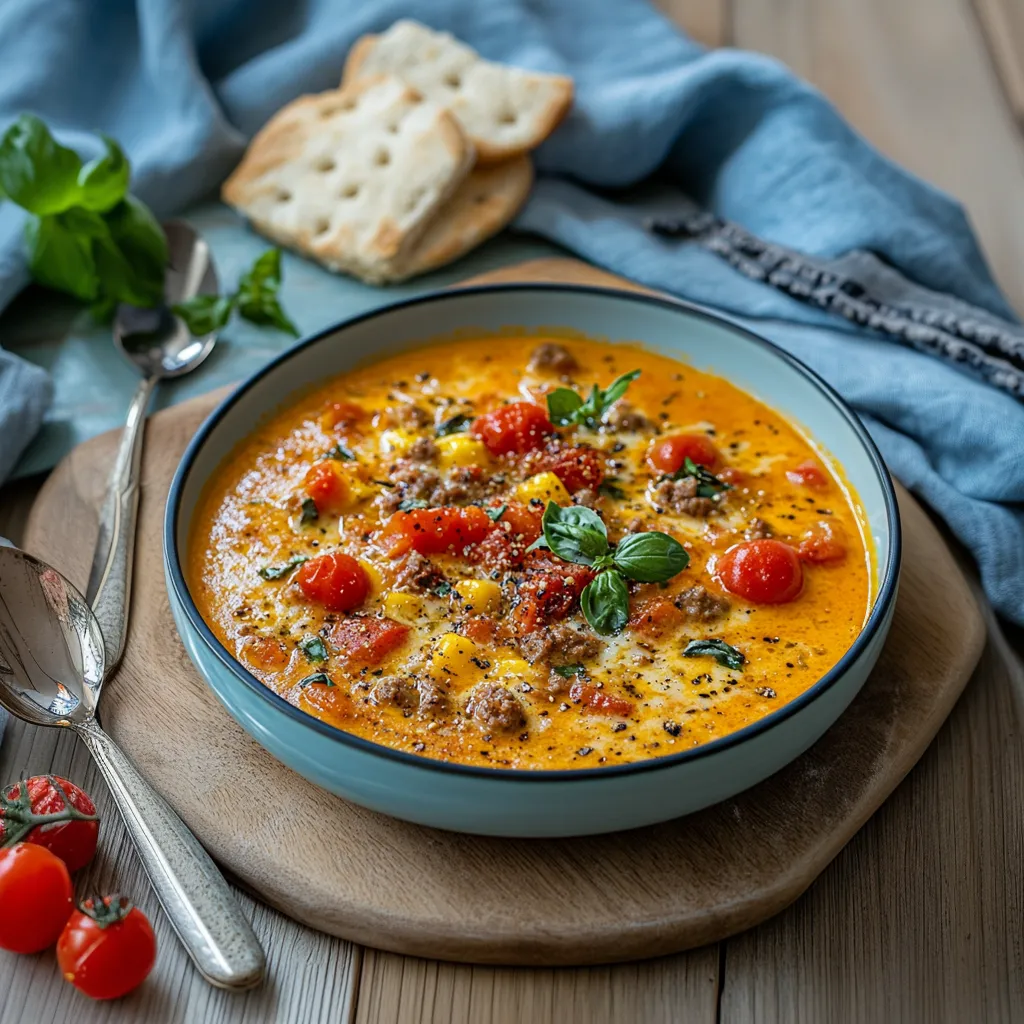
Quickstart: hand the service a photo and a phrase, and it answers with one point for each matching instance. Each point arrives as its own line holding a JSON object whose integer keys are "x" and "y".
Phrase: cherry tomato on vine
{"x": 36, "y": 897}
{"x": 107, "y": 948}
{"x": 763, "y": 571}
{"x": 51, "y": 812}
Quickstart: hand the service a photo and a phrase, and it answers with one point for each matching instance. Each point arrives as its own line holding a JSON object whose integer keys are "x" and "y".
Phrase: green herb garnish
{"x": 442, "y": 589}
{"x": 725, "y": 654}
{"x": 568, "y": 671}
{"x": 456, "y": 425}
{"x": 316, "y": 679}
{"x": 409, "y": 504}
{"x": 277, "y": 572}
{"x": 566, "y": 407}
{"x": 340, "y": 454}
{"x": 708, "y": 485}
{"x": 578, "y": 534}
{"x": 494, "y": 514}
{"x": 313, "y": 648}
{"x": 610, "y": 486}
{"x": 310, "y": 513}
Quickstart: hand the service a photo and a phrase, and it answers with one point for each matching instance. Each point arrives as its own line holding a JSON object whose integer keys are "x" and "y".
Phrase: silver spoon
{"x": 52, "y": 665}
{"x": 160, "y": 345}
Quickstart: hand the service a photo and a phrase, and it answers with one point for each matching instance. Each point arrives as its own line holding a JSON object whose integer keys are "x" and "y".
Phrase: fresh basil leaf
{"x": 605, "y": 603}
{"x": 650, "y": 557}
{"x": 36, "y": 171}
{"x": 442, "y": 589}
{"x": 725, "y": 654}
{"x": 316, "y": 679}
{"x": 412, "y": 503}
{"x": 104, "y": 181}
{"x": 204, "y": 314}
{"x": 494, "y": 514}
{"x": 617, "y": 388}
{"x": 609, "y": 485}
{"x": 455, "y": 425}
{"x": 277, "y": 572}
{"x": 310, "y": 513}
{"x": 257, "y": 299}
{"x": 563, "y": 404}
{"x": 567, "y": 671}
{"x": 313, "y": 648}
{"x": 340, "y": 453}
{"x": 138, "y": 277}
{"x": 708, "y": 485}
{"x": 61, "y": 258}
{"x": 576, "y": 534}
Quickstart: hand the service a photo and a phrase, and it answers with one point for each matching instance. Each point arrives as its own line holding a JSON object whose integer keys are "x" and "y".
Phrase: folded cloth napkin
{"x": 183, "y": 85}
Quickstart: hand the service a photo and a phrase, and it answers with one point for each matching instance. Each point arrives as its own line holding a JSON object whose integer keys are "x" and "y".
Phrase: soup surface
{"x": 483, "y": 552}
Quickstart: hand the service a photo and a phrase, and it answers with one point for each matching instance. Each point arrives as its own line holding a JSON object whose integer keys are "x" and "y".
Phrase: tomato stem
{"x": 107, "y": 911}
{"x": 19, "y": 819}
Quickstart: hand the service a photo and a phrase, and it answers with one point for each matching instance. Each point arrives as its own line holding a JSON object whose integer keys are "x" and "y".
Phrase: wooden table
{"x": 919, "y": 918}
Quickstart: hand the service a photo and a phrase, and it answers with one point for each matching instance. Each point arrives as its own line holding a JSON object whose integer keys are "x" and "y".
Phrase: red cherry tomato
{"x": 823, "y": 542}
{"x": 107, "y": 949}
{"x": 578, "y": 466}
{"x": 367, "y": 639}
{"x": 325, "y": 484}
{"x": 337, "y": 581}
{"x": 521, "y": 522}
{"x": 763, "y": 571}
{"x": 36, "y": 898}
{"x": 519, "y": 427}
{"x": 732, "y": 475}
{"x": 668, "y": 454}
{"x": 654, "y": 617}
{"x": 599, "y": 701}
{"x": 54, "y": 813}
{"x": 549, "y": 590}
{"x": 808, "y": 474}
{"x": 434, "y": 531}
{"x": 342, "y": 414}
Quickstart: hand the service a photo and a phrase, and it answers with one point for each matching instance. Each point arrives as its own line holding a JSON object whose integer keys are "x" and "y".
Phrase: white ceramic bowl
{"x": 521, "y": 802}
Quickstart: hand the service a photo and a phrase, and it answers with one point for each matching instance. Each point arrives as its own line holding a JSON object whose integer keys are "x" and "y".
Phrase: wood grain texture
{"x": 915, "y": 78}
{"x": 477, "y": 899}
{"x": 1002, "y": 23}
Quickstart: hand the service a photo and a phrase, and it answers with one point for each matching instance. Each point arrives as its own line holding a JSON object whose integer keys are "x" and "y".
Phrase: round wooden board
{"x": 409, "y": 889}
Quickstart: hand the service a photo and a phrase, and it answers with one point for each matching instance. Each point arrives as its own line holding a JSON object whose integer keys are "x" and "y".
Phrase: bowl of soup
{"x": 533, "y": 560}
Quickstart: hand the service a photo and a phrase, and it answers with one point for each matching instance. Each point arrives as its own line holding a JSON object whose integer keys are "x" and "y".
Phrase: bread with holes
{"x": 484, "y": 203}
{"x": 505, "y": 111}
{"x": 352, "y": 177}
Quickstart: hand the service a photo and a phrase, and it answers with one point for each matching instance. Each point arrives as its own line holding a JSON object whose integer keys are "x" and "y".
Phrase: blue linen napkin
{"x": 183, "y": 85}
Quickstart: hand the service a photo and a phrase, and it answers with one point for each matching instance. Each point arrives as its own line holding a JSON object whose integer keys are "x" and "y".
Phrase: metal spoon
{"x": 160, "y": 345}
{"x": 52, "y": 665}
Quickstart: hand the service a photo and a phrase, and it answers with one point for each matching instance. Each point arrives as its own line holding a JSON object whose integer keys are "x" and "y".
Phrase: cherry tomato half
{"x": 599, "y": 701}
{"x": 327, "y": 487}
{"x": 763, "y": 571}
{"x": 36, "y": 898}
{"x": 668, "y": 454}
{"x": 519, "y": 427}
{"x": 107, "y": 948}
{"x": 823, "y": 543}
{"x": 808, "y": 474}
{"x": 336, "y": 580}
{"x": 367, "y": 639}
{"x": 434, "y": 531}
{"x": 51, "y": 812}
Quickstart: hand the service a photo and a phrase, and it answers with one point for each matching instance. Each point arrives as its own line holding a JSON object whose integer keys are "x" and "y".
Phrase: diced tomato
{"x": 732, "y": 475}
{"x": 337, "y": 581}
{"x": 550, "y": 590}
{"x": 434, "y": 531}
{"x": 521, "y": 522}
{"x": 668, "y": 454}
{"x": 367, "y": 639}
{"x": 763, "y": 571}
{"x": 823, "y": 542}
{"x": 599, "y": 701}
{"x": 342, "y": 414}
{"x": 578, "y": 466}
{"x": 519, "y": 427}
{"x": 264, "y": 652}
{"x": 808, "y": 474}
{"x": 327, "y": 487}
{"x": 481, "y": 629}
{"x": 654, "y": 617}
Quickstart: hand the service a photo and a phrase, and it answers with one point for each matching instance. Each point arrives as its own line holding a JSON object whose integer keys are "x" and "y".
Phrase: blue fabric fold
{"x": 182, "y": 85}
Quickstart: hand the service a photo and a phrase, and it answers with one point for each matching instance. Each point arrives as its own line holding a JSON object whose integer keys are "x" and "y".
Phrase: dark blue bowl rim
{"x": 883, "y": 601}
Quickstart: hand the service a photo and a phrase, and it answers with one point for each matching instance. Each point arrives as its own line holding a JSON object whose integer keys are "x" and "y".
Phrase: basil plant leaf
{"x": 650, "y": 557}
{"x": 257, "y": 299}
{"x": 135, "y": 256}
{"x": 61, "y": 258}
{"x": 617, "y": 389}
{"x": 725, "y": 654}
{"x": 104, "y": 181}
{"x": 204, "y": 314}
{"x": 605, "y": 603}
{"x": 313, "y": 648}
{"x": 453, "y": 425}
{"x": 36, "y": 171}
{"x": 563, "y": 404}
{"x": 576, "y": 534}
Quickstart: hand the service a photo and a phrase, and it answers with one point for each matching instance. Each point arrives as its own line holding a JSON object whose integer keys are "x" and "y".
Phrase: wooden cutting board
{"x": 410, "y": 889}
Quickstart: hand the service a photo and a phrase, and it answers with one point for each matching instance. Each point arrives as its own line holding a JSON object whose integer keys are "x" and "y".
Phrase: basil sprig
{"x": 278, "y": 572}
{"x": 725, "y": 654}
{"x": 578, "y": 534}
{"x": 455, "y": 425}
{"x": 566, "y": 407}
{"x": 313, "y": 648}
{"x": 708, "y": 485}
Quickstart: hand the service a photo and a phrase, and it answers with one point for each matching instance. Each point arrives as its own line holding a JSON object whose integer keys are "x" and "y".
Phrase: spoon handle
{"x": 110, "y": 579}
{"x": 196, "y": 898}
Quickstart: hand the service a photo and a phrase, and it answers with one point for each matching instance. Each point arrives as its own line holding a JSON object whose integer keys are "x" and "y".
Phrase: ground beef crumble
{"x": 700, "y": 604}
{"x": 680, "y": 496}
{"x": 495, "y": 707}
{"x": 561, "y": 644}
{"x": 550, "y": 356}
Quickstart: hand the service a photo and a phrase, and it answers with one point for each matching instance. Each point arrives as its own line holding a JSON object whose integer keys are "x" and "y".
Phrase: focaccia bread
{"x": 353, "y": 177}
{"x": 505, "y": 111}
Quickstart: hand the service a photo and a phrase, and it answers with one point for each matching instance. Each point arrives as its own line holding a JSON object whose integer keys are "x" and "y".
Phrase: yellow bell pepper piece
{"x": 544, "y": 487}
{"x": 458, "y": 450}
{"x": 396, "y": 441}
{"x": 453, "y": 655}
{"x": 407, "y": 608}
{"x": 480, "y": 596}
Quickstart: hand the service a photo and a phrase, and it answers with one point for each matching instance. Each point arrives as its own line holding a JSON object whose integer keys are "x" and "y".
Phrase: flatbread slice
{"x": 352, "y": 177}
{"x": 505, "y": 111}
{"x": 484, "y": 203}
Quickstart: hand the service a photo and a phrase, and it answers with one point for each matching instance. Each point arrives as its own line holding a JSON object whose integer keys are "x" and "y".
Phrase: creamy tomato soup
{"x": 531, "y": 552}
